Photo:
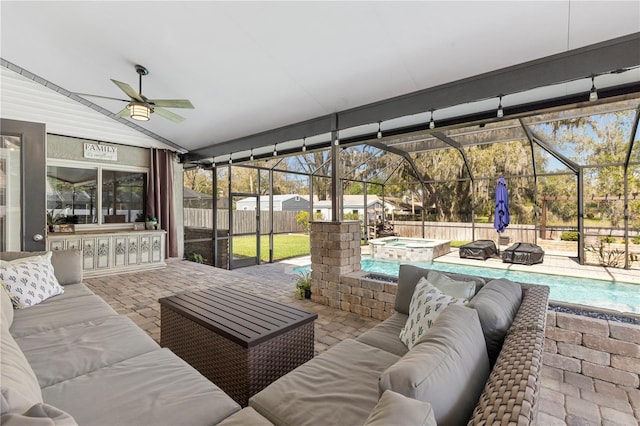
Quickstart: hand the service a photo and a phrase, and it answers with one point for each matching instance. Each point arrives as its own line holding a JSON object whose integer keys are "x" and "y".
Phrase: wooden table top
{"x": 242, "y": 317}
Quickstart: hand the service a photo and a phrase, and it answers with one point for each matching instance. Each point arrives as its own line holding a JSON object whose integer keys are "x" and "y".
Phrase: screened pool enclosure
{"x": 573, "y": 175}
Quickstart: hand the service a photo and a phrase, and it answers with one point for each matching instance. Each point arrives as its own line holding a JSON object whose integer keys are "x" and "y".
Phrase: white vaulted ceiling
{"x": 249, "y": 67}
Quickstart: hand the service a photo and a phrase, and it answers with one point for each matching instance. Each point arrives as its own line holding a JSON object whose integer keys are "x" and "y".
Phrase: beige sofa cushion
{"x": 497, "y": 304}
{"x": 398, "y": 410}
{"x": 19, "y": 384}
{"x": 448, "y": 367}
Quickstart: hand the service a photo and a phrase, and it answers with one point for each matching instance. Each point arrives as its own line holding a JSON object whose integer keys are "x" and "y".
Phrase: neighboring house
{"x": 355, "y": 204}
{"x": 281, "y": 203}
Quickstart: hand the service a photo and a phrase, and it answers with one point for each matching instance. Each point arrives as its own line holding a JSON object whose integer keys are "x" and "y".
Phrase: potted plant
{"x": 151, "y": 223}
{"x": 303, "y": 285}
{"x": 196, "y": 257}
{"x": 52, "y": 219}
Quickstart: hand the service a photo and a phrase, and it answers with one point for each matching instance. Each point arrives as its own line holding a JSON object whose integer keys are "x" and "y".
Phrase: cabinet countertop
{"x": 109, "y": 231}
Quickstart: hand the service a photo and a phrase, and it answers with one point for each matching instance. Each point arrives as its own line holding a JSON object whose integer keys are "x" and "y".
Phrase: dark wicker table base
{"x": 241, "y": 372}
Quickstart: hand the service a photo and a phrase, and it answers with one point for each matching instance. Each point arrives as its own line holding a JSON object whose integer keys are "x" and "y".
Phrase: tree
{"x": 199, "y": 180}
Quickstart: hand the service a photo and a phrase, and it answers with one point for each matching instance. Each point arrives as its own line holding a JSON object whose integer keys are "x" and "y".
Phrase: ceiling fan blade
{"x": 168, "y": 115}
{"x": 128, "y": 90}
{"x": 171, "y": 103}
{"x": 124, "y": 112}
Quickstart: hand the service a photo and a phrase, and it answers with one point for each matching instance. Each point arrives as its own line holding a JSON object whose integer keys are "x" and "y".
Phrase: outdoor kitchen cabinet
{"x": 111, "y": 252}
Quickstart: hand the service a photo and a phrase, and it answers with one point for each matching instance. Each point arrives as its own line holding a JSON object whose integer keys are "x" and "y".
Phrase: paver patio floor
{"x": 566, "y": 398}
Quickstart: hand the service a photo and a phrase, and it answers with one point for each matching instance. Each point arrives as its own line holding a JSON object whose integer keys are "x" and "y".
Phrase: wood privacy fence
{"x": 461, "y": 231}
{"x": 244, "y": 221}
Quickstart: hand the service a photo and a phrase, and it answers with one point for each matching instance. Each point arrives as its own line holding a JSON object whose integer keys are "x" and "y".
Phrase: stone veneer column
{"x": 335, "y": 250}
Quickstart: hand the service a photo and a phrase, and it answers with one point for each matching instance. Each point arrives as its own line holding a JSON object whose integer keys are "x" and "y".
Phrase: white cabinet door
{"x": 89, "y": 253}
{"x": 120, "y": 251}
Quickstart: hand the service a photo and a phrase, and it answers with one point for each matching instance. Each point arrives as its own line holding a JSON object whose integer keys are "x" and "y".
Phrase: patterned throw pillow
{"x": 427, "y": 303}
{"x": 30, "y": 283}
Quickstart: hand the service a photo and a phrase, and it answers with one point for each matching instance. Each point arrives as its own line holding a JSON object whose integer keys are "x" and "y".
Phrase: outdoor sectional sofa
{"x": 73, "y": 359}
{"x": 477, "y": 365}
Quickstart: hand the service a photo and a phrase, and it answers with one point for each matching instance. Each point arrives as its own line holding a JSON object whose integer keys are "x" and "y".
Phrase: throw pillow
{"x": 497, "y": 304}
{"x": 46, "y": 257}
{"x": 30, "y": 283}
{"x": 426, "y": 304}
{"x": 460, "y": 289}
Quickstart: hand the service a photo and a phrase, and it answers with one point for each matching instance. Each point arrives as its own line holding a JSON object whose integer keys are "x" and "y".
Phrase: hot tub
{"x": 408, "y": 249}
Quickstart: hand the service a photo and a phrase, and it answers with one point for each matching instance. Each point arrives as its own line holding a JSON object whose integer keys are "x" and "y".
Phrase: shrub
{"x": 569, "y": 236}
{"x": 196, "y": 257}
{"x": 608, "y": 240}
{"x": 351, "y": 216}
{"x": 636, "y": 240}
{"x": 302, "y": 219}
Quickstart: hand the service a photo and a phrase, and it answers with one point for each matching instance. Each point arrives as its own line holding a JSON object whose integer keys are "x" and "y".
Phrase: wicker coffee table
{"x": 240, "y": 341}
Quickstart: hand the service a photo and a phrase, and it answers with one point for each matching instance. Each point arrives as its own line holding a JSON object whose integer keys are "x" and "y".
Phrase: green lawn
{"x": 284, "y": 246}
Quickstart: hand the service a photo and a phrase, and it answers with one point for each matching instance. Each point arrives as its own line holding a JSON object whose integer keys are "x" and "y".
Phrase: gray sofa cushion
{"x": 497, "y": 304}
{"x": 409, "y": 276}
{"x": 18, "y": 383}
{"x": 398, "y": 410}
{"x": 448, "y": 367}
{"x": 67, "y": 352}
{"x": 72, "y": 290}
{"x": 67, "y": 265}
{"x": 386, "y": 335}
{"x": 6, "y": 306}
{"x": 338, "y": 387}
{"x": 246, "y": 417}
{"x": 55, "y": 313}
{"x": 39, "y": 415}
{"x": 156, "y": 388}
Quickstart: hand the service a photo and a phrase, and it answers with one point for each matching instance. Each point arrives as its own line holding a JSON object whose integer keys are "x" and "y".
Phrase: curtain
{"x": 160, "y": 203}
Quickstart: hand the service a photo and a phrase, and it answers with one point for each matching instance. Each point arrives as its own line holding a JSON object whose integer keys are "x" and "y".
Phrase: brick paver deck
{"x": 566, "y": 397}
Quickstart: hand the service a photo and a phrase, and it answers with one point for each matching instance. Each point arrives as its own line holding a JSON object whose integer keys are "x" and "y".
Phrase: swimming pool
{"x": 621, "y": 297}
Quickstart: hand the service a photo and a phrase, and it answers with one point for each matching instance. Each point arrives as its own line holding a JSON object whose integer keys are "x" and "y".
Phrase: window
{"x": 76, "y": 195}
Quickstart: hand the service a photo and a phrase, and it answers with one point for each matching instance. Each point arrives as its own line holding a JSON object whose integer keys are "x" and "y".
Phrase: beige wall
{"x": 67, "y": 148}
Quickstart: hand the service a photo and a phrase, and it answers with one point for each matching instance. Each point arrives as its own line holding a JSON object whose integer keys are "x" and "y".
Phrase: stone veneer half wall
{"x": 336, "y": 278}
{"x": 335, "y": 251}
{"x": 601, "y": 349}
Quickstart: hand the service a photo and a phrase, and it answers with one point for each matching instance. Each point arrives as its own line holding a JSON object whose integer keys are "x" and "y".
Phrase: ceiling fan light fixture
{"x": 139, "y": 111}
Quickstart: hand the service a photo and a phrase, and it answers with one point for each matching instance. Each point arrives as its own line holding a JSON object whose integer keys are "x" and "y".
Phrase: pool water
{"x": 621, "y": 297}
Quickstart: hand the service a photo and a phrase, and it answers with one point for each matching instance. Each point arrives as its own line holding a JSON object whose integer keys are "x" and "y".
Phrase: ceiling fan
{"x": 140, "y": 107}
